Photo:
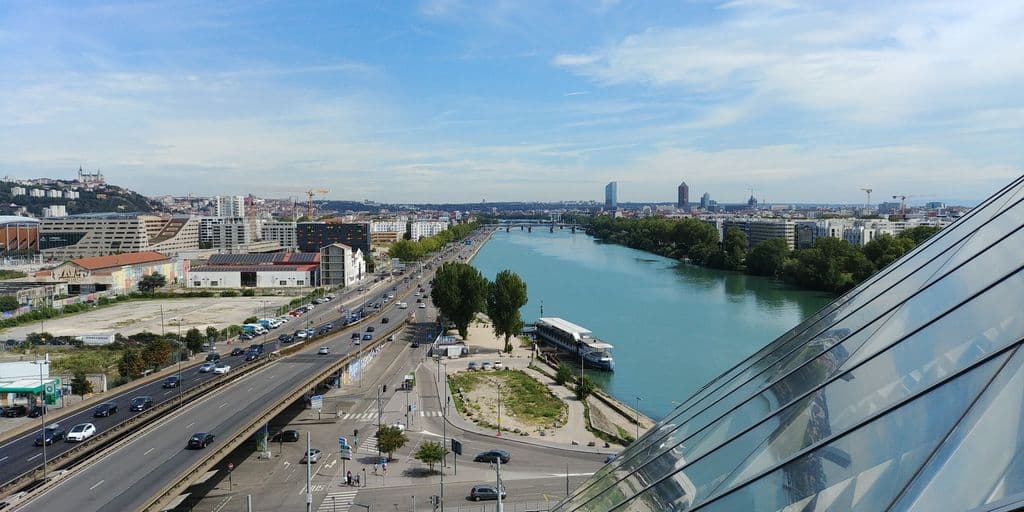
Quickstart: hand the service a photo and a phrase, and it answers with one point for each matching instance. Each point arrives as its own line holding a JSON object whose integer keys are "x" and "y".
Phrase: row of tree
{"x": 831, "y": 264}
{"x": 410, "y": 250}
{"x": 460, "y": 291}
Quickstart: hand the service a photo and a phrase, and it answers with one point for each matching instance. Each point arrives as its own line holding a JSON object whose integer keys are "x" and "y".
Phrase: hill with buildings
{"x": 76, "y": 196}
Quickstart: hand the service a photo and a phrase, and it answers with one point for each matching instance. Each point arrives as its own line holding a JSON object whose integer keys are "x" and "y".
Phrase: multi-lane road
{"x": 127, "y": 477}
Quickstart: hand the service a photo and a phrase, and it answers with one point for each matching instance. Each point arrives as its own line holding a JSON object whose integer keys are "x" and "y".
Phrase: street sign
{"x": 342, "y": 442}
{"x": 412, "y": 407}
{"x": 316, "y": 402}
{"x": 456, "y": 447}
{"x": 346, "y": 454}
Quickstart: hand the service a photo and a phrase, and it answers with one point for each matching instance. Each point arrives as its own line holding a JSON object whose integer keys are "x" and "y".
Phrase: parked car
{"x": 472, "y": 366}
{"x": 485, "y": 492}
{"x": 312, "y": 457}
{"x": 324, "y": 351}
{"x": 80, "y": 432}
{"x": 423, "y": 306}
{"x": 200, "y": 440}
{"x": 286, "y": 436}
{"x": 105, "y": 409}
{"x": 172, "y": 382}
{"x": 399, "y": 425}
{"x": 485, "y": 366}
{"x": 36, "y": 411}
{"x": 497, "y": 365}
{"x": 493, "y": 456}
{"x": 391, "y": 338}
{"x": 245, "y": 336}
{"x": 51, "y": 434}
{"x": 328, "y": 326}
{"x": 237, "y": 351}
{"x": 141, "y": 403}
{"x": 206, "y": 367}
{"x": 15, "y": 411}
{"x": 221, "y": 368}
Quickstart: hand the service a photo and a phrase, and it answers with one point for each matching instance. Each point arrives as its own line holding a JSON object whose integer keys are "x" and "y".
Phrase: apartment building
{"x": 281, "y": 232}
{"x": 101, "y": 234}
{"x": 427, "y": 228}
{"x": 759, "y": 230}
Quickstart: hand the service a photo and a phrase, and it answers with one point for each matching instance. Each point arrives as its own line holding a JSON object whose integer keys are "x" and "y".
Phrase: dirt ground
{"x": 137, "y": 316}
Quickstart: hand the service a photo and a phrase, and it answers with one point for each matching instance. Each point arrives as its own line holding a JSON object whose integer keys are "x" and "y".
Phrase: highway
{"x": 126, "y": 477}
{"x": 20, "y": 455}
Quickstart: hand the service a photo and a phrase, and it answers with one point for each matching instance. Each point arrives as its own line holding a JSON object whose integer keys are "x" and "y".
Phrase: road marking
{"x": 3, "y": 459}
{"x": 250, "y": 389}
{"x": 190, "y": 425}
{"x": 35, "y": 456}
{"x": 168, "y": 392}
{"x": 223, "y": 405}
{"x": 97, "y": 484}
{"x": 148, "y": 451}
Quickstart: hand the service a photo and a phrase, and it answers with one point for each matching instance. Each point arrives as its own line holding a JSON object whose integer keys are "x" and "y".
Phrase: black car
{"x": 287, "y": 436}
{"x": 237, "y": 351}
{"x": 200, "y": 440}
{"x": 493, "y": 456}
{"x": 370, "y": 329}
{"x": 212, "y": 357}
{"x": 36, "y": 411}
{"x": 172, "y": 382}
{"x": 252, "y": 356}
{"x": 15, "y": 411}
{"x": 486, "y": 492}
{"x": 141, "y": 403}
{"x": 105, "y": 409}
{"x": 384, "y": 320}
{"x": 285, "y": 338}
{"x": 50, "y": 434}
{"x": 355, "y": 335}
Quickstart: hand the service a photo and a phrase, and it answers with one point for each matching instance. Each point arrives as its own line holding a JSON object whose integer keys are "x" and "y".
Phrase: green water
{"x": 674, "y": 326}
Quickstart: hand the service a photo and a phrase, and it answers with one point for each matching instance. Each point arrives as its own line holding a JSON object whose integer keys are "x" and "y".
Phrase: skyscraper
{"x": 230, "y": 206}
{"x": 705, "y": 200}
{"x": 684, "y": 197}
{"x": 904, "y": 394}
{"x": 611, "y": 195}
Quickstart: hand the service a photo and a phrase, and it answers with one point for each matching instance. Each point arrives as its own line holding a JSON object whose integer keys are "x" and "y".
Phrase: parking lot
{"x": 137, "y": 316}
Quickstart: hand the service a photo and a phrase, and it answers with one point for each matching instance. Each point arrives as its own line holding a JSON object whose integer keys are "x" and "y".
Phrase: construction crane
{"x": 903, "y": 205}
{"x": 868, "y": 191}
{"x": 309, "y": 204}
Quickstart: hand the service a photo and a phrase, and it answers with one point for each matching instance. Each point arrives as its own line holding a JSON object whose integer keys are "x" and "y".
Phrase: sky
{"x": 462, "y": 101}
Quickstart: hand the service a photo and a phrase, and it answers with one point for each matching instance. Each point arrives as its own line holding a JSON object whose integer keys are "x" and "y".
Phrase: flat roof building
{"x": 311, "y": 236}
{"x": 87, "y": 235}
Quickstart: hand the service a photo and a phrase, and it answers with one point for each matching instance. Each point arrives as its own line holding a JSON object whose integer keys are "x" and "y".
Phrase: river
{"x": 674, "y": 326}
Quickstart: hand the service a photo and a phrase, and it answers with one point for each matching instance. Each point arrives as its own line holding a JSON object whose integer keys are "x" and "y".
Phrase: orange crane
{"x": 309, "y": 204}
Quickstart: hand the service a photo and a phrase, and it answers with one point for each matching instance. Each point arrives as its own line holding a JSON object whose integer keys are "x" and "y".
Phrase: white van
{"x": 402, "y": 305}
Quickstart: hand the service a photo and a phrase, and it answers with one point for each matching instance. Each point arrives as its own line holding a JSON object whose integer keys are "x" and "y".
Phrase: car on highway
{"x": 206, "y": 367}
{"x": 237, "y": 351}
{"x": 486, "y": 492}
{"x": 286, "y": 436}
{"x": 251, "y": 355}
{"x": 324, "y": 350}
{"x": 384, "y": 320}
{"x": 172, "y": 382}
{"x": 51, "y": 434}
{"x": 300, "y": 335}
{"x": 212, "y": 357}
{"x": 391, "y": 338}
{"x": 15, "y": 411}
{"x": 493, "y": 456}
{"x": 610, "y": 457}
{"x": 423, "y": 306}
{"x": 312, "y": 457}
{"x": 367, "y": 337}
{"x": 105, "y": 409}
{"x": 328, "y": 326}
{"x": 419, "y": 301}
{"x": 140, "y": 403}
{"x": 370, "y": 329}
{"x": 80, "y": 432}
{"x": 355, "y": 336}
{"x": 221, "y": 368}
{"x": 285, "y": 338}
{"x": 200, "y": 440}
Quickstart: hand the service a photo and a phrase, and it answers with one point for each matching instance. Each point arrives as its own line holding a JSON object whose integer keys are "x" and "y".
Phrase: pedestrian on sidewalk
{"x": 357, "y": 480}
{"x": 348, "y": 478}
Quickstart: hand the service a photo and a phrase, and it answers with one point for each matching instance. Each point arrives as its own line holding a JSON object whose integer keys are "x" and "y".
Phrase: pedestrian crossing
{"x": 338, "y": 501}
{"x": 368, "y": 446}
{"x": 372, "y": 416}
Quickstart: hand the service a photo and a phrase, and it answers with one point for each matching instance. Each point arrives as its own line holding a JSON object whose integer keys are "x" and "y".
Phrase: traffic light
{"x": 385, "y": 388}
{"x": 355, "y": 432}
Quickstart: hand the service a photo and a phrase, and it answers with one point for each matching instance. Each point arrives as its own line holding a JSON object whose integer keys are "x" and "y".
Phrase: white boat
{"x": 576, "y": 340}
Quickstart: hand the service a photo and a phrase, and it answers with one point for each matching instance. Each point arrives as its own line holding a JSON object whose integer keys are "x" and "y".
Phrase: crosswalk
{"x": 368, "y": 446}
{"x": 338, "y": 501}
{"x": 372, "y": 416}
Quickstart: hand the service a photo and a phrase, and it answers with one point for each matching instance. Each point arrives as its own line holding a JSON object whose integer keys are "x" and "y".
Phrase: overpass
{"x": 528, "y": 225}
{"x": 151, "y": 468}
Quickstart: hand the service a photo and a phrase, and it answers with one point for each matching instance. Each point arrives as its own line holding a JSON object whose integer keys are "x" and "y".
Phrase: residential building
{"x": 903, "y": 394}
{"x": 56, "y": 210}
{"x": 231, "y": 235}
{"x": 54, "y": 194}
{"x": 611, "y": 195}
{"x": 119, "y": 273}
{"x": 281, "y": 232}
{"x": 759, "y": 230}
{"x": 427, "y": 228}
{"x": 100, "y": 234}
{"x": 18, "y": 191}
{"x": 340, "y": 265}
{"x": 37, "y": 193}
{"x": 683, "y": 199}
{"x": 230, "y": 206}
{"x": 311, "y": 236}
{"x": 387, "y": 231}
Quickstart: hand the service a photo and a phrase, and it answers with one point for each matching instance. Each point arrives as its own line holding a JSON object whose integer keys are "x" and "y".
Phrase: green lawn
{"x": 529, "y": 400}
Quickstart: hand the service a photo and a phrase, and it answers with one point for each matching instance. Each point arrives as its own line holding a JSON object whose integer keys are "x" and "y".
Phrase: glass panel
{"x": 983, "y": 460}
{"x": 860, "y": 471}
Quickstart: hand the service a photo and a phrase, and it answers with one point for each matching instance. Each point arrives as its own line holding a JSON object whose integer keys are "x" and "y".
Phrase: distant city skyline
{"x": 453, "y": 101}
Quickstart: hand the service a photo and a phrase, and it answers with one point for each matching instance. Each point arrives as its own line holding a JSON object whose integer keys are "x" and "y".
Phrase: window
{"x": 197, "y": 283}
{"x": 300, "y": 282}
{"x": 282, "y": 283}
{"x": 214, "y": 283}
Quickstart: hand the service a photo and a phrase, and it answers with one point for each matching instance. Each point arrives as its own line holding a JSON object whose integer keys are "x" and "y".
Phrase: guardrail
{"x": 202, "y": 466}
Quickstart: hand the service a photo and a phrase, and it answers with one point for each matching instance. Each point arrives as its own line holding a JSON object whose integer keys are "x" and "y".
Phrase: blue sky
{"x": 450, "y": 100}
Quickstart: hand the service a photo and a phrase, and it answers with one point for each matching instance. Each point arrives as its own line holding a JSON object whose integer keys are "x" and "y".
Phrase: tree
{"x": 250, "y": 320}
{"x": 886, "y": 249}
{"x": 920, "y": 233}
{"x": 194, "y": 340}
{"x": 157, "y": 353}
{"x": 768, "y": 258}
{"x": 430, "y": 453}
{"x": 38, "y": 338}
{"x": 504, "y": 298}
{"x": 460, "y": 292}
{"x": 563, "y": 375}
{"x": 131, "y": 364}
{"x": 734, "y": 249}
{"x": 9, "y": 303}
{"x": 584, "y": 388}
{"x": 830, "y": 264}
{"x": 212, "y": 332}
{"x": 390, "y": 439}
{"x": 80, "y": 385}
{"x": 152, "y": 282}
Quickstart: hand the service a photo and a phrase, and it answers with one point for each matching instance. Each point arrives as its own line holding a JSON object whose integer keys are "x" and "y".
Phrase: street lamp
{"x": 42, "y": 417}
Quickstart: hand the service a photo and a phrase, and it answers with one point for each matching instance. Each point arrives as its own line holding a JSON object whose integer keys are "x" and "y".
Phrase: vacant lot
{"x": 526, "y": 403}
{"x": 137, "y": 316}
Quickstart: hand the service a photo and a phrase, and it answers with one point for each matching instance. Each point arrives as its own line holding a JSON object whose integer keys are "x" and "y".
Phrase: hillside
{"x": 106, "y": 198}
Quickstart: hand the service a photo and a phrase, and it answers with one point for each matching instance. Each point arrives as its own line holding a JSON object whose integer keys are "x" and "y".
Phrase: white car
{"x": 207, "y": 367}
{"x": 324, "y": 351}
{"x": 423, "y": 306}
{"x": 399, "y": 425}
{"x": 81, "y": 432}
{"x": 498, "y": 365}
{"x": 221, "y": 368}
